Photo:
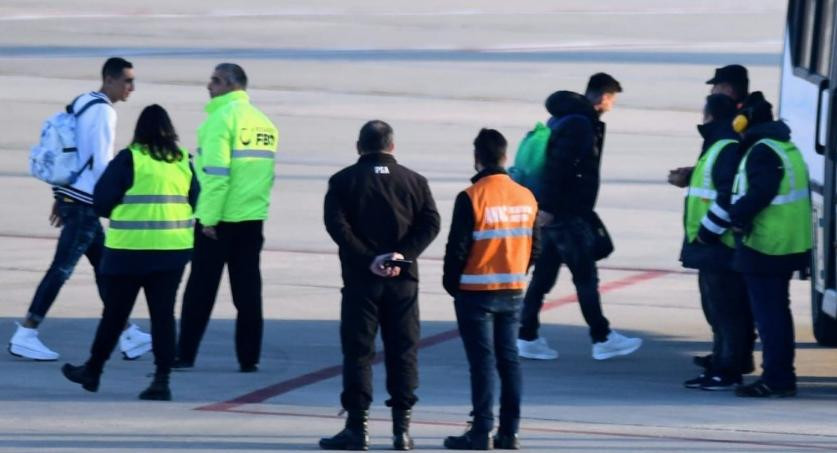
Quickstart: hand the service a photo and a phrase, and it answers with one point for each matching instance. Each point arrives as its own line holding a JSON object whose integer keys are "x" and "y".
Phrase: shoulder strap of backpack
{"x": 95, "y": 101}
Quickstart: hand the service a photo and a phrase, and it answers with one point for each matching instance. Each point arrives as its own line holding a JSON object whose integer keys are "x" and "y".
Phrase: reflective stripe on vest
{"x": 504, "y": 215}
{"x": 155, "y": 213}
{"x": 701, "y": 196}
{"x": 784, "y": 226}
{"x": 254, "y": 153}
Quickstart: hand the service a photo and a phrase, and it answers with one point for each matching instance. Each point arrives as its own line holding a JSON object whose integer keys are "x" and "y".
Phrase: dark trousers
{"x": 81, "y": 235}
{"x": 488, "y": 325}
{"x": 392, "y": 304}
{"x": 238, "y": 246}
{"x": 120, "y": 294}
{"x": 554, "y": 252}
{"x": 770, "y": 301}
{"x": 727, "y": 309}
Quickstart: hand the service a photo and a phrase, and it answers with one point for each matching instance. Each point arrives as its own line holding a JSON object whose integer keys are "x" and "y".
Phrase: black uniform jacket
{"x": 377, "y": 206}
{"x": 461, "y": 238}
{"x": 765, "y": 171}
{"x": 117, "y": 178}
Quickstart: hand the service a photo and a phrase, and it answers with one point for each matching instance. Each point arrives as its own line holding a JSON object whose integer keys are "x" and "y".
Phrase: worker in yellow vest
{"x": 235, "y": 166}
{"x": 148, "y": 191}
{"x": 491, "y": 245}
{"x": 709, "y": 247}
{"x": 771, "y": 214}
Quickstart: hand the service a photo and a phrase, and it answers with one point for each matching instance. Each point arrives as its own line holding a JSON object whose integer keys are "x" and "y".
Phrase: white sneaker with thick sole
{"x": 134, "y": 343}
{"x": 25, "y": 343}
{"x": 616, "y": 345}
{"x": 536, "y": 349}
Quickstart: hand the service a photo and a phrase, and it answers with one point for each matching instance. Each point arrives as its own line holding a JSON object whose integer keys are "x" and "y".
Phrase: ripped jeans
{"x": 81, "y": 234}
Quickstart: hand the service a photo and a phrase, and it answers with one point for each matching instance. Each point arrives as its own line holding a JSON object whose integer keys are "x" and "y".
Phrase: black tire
{"x": 825, "y": 327}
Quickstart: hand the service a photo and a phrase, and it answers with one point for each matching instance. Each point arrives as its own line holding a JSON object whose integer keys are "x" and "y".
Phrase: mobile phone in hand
{"x": 403, "y": 264}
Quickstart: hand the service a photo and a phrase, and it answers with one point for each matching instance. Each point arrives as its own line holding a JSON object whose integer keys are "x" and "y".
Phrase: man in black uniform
{"x": 382, "y": 216}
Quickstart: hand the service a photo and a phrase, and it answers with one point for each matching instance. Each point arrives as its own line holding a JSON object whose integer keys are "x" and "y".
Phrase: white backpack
{"x": 55, "y": 158}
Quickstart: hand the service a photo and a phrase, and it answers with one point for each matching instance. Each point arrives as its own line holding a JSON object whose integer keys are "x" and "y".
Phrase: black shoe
{"x": 158, "y": 390}
{"x": 760, "y": 389}
{"x": 703, "y": 361}
{"x": 401, "y": 439}
{"x": 89, "y": 380}
{"x": 248, "y": 368}
{"x": 355, "y": 436}
{"x": 471, "y": 440}
{"x": 695, "y": 383}
{"x": 182, "y": 365}
{"x": 720, "y": 382}
{"x": 504, "y": 441}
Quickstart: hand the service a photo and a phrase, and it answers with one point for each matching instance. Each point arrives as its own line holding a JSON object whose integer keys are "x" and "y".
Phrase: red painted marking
{"x": 272, "y": 391}
{"x": 825, "y": 447}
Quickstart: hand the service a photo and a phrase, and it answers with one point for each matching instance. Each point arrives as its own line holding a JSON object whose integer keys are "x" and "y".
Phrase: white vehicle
{"x": 808, "y": 104}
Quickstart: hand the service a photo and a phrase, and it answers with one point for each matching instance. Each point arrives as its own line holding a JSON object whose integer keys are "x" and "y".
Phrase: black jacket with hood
{"x": 764, "y": 175}
{"x": 573, "y": 156}
{"x": 707, "y": 252}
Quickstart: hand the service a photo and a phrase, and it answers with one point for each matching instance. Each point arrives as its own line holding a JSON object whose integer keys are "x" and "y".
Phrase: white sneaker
{"x": 536, "y": 349}
{"x": 134, "y": 343}
{"x": 25, "y": 343}
{"x": 616, "y": 345}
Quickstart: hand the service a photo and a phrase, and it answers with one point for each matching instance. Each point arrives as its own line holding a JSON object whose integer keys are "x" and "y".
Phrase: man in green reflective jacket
{"x": 235, "y": 167}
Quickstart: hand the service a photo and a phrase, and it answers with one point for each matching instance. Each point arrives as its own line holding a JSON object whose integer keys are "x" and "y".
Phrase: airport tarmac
{"x": 438, "y": 71}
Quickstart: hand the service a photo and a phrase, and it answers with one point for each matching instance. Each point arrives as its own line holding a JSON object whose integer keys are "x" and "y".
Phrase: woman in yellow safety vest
{"x": 148, "y": 191}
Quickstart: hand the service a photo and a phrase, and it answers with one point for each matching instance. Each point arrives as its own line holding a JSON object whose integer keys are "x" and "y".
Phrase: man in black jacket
{"x": 771, "y": 214}
{"x": 570, "y": 188}
{"x": 709, "y": 246}
{"x": 382, "y": 216}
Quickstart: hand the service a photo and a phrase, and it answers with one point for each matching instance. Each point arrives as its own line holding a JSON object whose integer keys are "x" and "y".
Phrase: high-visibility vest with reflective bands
{"x": 701, "y": 195}
{"x": 155, "y": 213}
{"x": 235, "y": 161}
{"x": 784, "y": 226}
{"x": 504, "y": 215}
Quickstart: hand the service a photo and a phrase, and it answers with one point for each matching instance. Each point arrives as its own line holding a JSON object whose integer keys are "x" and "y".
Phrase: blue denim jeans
{"x": 81, "y": 234}
{"x": 488, "y": 326}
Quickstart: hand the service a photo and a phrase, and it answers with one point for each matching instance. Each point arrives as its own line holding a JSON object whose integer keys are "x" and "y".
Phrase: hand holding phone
{"x": 402, "y": 264}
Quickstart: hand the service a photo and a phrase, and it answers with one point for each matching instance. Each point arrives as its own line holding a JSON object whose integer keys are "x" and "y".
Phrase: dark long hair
{"x": 156, "y": 132}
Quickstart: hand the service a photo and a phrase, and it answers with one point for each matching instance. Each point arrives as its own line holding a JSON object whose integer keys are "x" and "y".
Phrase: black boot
{"x": 159, "y": 388}
{"x": 471, "y": 440}
{"x": 355, "y": 436}
{"x": 401, "y": 439}
{"x": 83, "y": 375}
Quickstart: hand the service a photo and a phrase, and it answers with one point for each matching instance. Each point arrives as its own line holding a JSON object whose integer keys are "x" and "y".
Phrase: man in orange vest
{"x": 491, "y": 245}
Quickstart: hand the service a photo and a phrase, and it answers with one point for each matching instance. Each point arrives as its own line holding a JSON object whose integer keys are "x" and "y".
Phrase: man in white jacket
{"x": 81, "y": 232}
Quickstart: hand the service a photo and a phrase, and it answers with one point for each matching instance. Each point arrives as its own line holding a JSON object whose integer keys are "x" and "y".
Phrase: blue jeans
{"x": 81, "y": 234}
{"x": 488, "y": 326}
{"x": 770, "y": 301}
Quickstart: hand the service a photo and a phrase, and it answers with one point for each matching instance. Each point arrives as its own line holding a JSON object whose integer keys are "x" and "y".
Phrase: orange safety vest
{"x": 504, "y": 215}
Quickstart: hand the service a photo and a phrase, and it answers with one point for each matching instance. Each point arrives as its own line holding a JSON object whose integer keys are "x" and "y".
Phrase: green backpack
{"x": 530, "y": 159}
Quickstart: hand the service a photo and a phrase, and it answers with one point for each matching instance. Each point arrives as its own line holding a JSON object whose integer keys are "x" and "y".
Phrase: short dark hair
{"x": 113, "y": 67}
{"x": 375, "y": 136}
{"x": 490, "y": 147}
{"x": 601, "y": 83}
{"x": 720, "y": 107}
{"x": 234, "y": 74}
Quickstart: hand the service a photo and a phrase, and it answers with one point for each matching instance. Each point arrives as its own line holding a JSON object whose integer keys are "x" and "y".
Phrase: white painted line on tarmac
{"x": 312, "y": 13}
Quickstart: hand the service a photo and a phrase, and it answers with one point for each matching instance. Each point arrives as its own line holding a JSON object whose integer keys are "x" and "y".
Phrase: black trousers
{"x": 556, "y": 249}
{"x": 120, "y": 293}
{"x": 392, "y": 304}
{"x": 770, "y": 301}
{"x": 238, "y": 246}
{"x": 727, "y": 309}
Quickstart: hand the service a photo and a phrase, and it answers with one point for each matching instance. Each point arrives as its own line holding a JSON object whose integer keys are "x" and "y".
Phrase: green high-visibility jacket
{"x": 784, "y": 226}
{"x": 155, "y": 213}
{"x": 235, "y": 161}
{"x": 700, "y": 198}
